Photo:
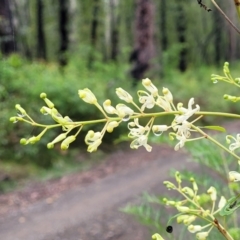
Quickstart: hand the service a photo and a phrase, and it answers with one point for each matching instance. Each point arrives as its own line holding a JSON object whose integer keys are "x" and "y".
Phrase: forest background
{"x": 61, "y": 46}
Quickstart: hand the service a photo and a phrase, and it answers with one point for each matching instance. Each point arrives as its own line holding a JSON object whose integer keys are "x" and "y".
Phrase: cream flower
{"x": 236, "y": 144}
{"x": 213, "y": 193}
{"x": 136, "y": 130}
{"x": 87, "y": 96}
{"x": 186, "y": 112}
{"x": 123, "y": 110}
{"x": 234, "y": 176}
{"x": 141, "y": 141}
{"x": 182, "y": 139}
{"x": 146, "y": 99}
{"x": 194, "y": 228}
{"x": 147, "y": 83}
{"x": 202, "y": 235}
{"x": 222, "y": 202}
{"x": 108, "y": 107}
{"x": 125, "y": 96}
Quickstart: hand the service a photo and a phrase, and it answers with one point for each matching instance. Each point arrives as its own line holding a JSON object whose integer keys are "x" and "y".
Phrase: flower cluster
{"x": 191, "y": 207}
{"x": 114, "y": 115}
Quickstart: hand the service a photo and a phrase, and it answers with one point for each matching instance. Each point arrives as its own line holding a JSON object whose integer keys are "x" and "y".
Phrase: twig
{"x": 226, "y": 17}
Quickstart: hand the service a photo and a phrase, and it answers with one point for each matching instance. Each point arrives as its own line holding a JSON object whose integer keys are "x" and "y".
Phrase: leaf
{"x": 217, "y": 128}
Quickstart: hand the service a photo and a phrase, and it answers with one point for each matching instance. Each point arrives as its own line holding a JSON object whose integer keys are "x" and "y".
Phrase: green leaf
{"x": 231, "y": 206}
{"x": 217, "y": 128}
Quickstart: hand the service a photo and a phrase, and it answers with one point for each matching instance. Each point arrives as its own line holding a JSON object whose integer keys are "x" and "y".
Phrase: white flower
{"x": 202, "y": 235}
{"x": 186, "y": 112}
{"x": 213, "y": 193}
{"x": 123, "y": 110}
{"x": 112, "y": 125}
{"x": 163, "y": 103}
{"x": 125, "y": 96}
{"x": 87, "y": 96}
{"x": 183, "y": 129}
{"x": 136, "y": 130}
{"x": 93, "y": 140}
{"x": 167, "y": 94}
{"x": 147, "y": 83}
{"x": 108, "y": 108}
{"x": 141, "y": 141}
{"x": 235, "y": 145}
{"x": 194, "y": 228}
{"x": 182, "y": 139}
{"x": 92, "y": 137}
{"x": 93, "y": 146}
{"x": 158, "y": 129}
{"x": 222, "y": 202}
{"x": 146, "y": 99}
{"x": 234, "y": 176}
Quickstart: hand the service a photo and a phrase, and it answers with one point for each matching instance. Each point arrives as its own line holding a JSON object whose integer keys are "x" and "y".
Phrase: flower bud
{"x": 67, "y": 141}
{"x": 169, "y": 185}
{"x": 156, "y": 236}
{"x": 213, "y": 193}
{"x": 183, "y": 209}
{"x": 194, "y": 228}
{"x": 87, "y": 96}
{"x": 111, "y": 126}
{"x": 188, "y": 191}
{"x": 21, "y": 110}
{"x": 108, "y": 108}
{"x": 123, "y": 95}
{"x": 123, "y": 111}
{"x": 178, "y": 177}
{"x": 23, "y": 141}
{"x": 182, "y": 217}
{"x": 189, "y": 220}
{"x": 222, "y": 202}
{"x": 147, "y": 83}
{"x": 195, "y": 186}
{"x": 167, "y": 94}
{"x": 202, "y": 235}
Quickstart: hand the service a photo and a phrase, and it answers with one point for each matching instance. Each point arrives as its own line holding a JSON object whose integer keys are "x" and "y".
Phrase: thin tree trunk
{"x": 181, "y": 31}
{"x": 115, "y": 21}
{"x": 143, "y": 51}
{"x": 94, "y": 28}
{"x": 63, "y": 31}
{"x": 163, "y": 25}
{"x": 7, "y": 39}
{"x": 41, "y": 44}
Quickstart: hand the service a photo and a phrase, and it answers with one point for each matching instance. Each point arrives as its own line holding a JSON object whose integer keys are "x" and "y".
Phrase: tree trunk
{"x": 115, "y": 21}
{"x": 163, "y": 24}
{"x": 181, "y": 32}
{"x": 63, "y": 31}
{"x": 7, "y": 40}
{"x": 143, "y": 51}
{"x": 94, "y": 28}
{"x": 41, "y": 44}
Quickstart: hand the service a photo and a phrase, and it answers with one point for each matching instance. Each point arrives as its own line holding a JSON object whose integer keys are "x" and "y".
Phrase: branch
{"x": 225, "y": 16}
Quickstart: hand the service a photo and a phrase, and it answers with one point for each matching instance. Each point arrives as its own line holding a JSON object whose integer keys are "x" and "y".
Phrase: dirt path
{"x": 91, "y": 211}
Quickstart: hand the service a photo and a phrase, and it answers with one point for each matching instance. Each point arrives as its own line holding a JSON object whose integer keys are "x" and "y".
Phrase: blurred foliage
{"x": 152, "y": 211}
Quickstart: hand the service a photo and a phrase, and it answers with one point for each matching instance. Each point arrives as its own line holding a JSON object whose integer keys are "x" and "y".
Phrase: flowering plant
{"x": 183, "y": 124}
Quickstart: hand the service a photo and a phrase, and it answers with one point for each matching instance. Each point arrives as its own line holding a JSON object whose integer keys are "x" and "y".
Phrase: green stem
{"x": 225, "y": 16}
{"x": 215, "y": 141}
